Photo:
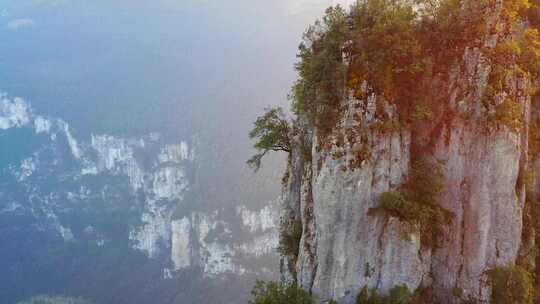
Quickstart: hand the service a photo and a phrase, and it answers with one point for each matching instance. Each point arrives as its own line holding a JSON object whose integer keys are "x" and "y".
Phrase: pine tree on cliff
{"x": 271, "y": 133}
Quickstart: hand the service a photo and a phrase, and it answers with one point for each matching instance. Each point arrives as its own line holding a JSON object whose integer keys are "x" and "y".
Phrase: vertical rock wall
{"x": 333, "y": 182}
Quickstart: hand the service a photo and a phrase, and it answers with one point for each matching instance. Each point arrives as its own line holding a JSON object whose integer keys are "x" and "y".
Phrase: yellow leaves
{"x": 354, "y": 81}
{"x": 517, "y": 55}
{"x": 506, "y": 53}
{"x": 516, "y": 10}
{"x": 533, "y": 37}
{"x": 531, "y": 40}
{"x": 515, "y": 7}
{"x": 509, "y": 113}
{"x": 530, "y": 56}
{"x": 422, "y": 112}
{"x": 511, "y": 285}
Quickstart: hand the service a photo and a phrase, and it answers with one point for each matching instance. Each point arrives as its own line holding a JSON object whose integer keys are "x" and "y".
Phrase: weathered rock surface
{"x": 333, "y": 183}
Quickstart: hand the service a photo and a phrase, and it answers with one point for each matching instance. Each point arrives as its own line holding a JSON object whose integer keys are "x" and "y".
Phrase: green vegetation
{"x": 272, "y": 134}
{"x": 383, "y": 43}
{"x": 517, "y": 54}
{"x": 398, "y": 295}
{"x": 321, "y": 85}
{"x": 421, "y": 112}
{"x": 417, "y": 203}
{"x": 289, "y": 240}
{"x": 509, "y": 113}
{"x": 386, "y": 51}
{"x": 534, "y": 140}
{"x": 375, "y": 43}
{"x": 394, "y": 204}
{"x": 369, "y": 270}
{"x": 275, "y": 293}
{"x": 511, "y": 285}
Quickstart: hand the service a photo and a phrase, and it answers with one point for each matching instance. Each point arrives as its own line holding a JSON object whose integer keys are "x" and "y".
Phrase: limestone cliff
{"x": 334, "y": 181}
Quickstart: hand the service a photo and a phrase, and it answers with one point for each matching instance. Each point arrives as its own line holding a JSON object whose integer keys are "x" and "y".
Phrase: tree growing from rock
{"x": 271, "y": 133}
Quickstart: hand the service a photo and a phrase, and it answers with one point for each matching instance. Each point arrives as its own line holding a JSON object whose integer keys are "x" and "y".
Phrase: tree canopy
{"x": 271, "y": 133}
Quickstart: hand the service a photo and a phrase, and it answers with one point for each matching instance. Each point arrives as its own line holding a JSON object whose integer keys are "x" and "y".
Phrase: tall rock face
{"x": 333, "y": 182}
{"x": 484, "y": 172}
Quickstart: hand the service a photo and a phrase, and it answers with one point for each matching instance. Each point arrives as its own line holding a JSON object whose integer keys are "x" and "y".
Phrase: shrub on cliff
{"x": 397, "y": 295}
{"x": 511, "y": 285}
{"x": 275, "y": 293}
{"x": 289, "y": 240}
{"x": 417, "y": 203}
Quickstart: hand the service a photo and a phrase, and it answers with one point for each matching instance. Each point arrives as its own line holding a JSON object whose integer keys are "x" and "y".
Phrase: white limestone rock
{"x": 42, "y": 125}
{"x": 181, "y": 248}
{"x": 14, "y": 113}
{"x": 72, "y": 142}
{"x": 262, "y": 220}
{"x": 27, "y": 168}
{"x": 169, "y": 183}
{"x": 116, "y": 155}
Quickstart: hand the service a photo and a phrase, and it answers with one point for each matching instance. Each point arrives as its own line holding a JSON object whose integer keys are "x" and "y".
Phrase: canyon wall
{"x": 334, "y": 183}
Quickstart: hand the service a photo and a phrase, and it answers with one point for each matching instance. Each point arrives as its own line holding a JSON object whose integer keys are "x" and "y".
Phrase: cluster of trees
{"x": 396, "y": 47}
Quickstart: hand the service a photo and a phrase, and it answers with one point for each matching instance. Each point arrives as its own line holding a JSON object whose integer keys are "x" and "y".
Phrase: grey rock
{"x": 334, "y": 182}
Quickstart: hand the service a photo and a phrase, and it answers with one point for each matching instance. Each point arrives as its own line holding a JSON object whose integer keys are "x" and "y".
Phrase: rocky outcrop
{"x": 484, "y": 170}
{"x": 201, "y": 240}
{"x": 333, "y": 182}
{"x": 343, "y": 248}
